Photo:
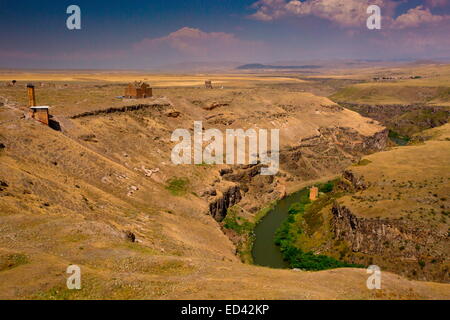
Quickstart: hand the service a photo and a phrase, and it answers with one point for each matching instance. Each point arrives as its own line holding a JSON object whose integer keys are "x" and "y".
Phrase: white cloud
{"x": 195, "y": 43}
{"x": 416, "y": 17}
{"x": 348, "y": 13}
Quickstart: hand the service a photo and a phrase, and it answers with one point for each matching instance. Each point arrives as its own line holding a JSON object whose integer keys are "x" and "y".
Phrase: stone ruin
{"x": 313, "y": 193}
{"x": 138, "y": 90}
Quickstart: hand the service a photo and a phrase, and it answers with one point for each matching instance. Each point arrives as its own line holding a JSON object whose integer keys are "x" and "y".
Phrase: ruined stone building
{"x": 138, "y": 90}
{"x": 313, "y": 193}
{"x": 40, "y": 114}
{"x": 31, "y": 95}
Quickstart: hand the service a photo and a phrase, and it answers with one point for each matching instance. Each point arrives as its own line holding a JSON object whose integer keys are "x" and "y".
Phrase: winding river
{"x": 265, "y": 252}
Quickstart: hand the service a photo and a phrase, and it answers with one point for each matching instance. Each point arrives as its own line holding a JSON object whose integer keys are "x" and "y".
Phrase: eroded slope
{"x": 81, "y": 196}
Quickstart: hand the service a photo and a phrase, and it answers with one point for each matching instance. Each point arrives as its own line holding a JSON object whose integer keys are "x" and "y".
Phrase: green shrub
{"x": 306, "y": 260}
{"x": 234, "y": 222}
{"x": 398, "y": 138}
{"x": 241, "y": 226}
{"x": 177, "y": 186}
{"x": 296, "y": 208}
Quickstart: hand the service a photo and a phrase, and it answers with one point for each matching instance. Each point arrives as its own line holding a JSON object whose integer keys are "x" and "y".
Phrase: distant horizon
{"x": 292, "y": 65}
{"x": 154, "y": 34}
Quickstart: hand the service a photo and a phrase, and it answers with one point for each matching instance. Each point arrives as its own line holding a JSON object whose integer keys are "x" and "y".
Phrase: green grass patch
{"x": 57, "y": 293}
{"x": 140, "y": 248}
{"x": 244, "y": 229}
{"x": 204, "y": 164}
{"x": 236, "y": 223}
{"x": 10, "y": 261}
{"x": 178, "y": 186}
{"x": 362, "y": 163}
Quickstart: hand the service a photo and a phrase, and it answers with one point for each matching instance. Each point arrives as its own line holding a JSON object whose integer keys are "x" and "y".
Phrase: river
{"x": 265, "y": 252}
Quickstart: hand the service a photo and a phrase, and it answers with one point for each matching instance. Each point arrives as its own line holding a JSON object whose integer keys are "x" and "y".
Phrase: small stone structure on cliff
{"x": 313, "y": 193}
{"x": 39, "y": 113}
{"x": 138, "y": 90}
{"x": 31, "y": 95}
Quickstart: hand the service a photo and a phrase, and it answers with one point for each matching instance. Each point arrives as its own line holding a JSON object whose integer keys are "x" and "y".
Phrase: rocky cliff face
{"x": 369, "y": 235}
{"x": 404, "y": 119}
{"x": 397, "y": 245}
{"x": 382, "y": 112}
{"x": 375, "y": 143}
{"x": 356, "y": 182}
{"x": 327, "y": 153}
{"x": 226, "y": 199}
{"x": 156, "y": 106}
{"x": 330, "y": 152}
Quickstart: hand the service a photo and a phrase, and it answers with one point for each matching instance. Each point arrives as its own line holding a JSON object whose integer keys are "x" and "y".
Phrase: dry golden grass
{"x": 408, "y": 181}
{"x": 67, "y": 200}
{"x": 156, "y": 80}
{"x": 408, "y": 195}
{"x": 432, "y": 88}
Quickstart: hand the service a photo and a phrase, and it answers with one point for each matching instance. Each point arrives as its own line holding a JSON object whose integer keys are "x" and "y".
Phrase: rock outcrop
{"x": 156, "y": 106}
{"x": 369, "y": 235}
{"x": 357, "y": 182}
{"x": 226, "y": 199}
{"x": 404, "y": 119}
{"x": 394, "y": 242}
{"x": 331, "y": 151}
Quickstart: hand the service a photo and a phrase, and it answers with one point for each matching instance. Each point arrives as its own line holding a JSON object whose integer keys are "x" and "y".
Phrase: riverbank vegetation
{"x": 399, "y": 139}
{"x": 242, "y": 229}
{"x": 304, "y": 219}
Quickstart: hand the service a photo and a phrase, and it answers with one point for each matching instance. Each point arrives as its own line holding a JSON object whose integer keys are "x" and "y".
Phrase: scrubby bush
{"x": 326, "y": 187}
{"x": 177, "y": 186}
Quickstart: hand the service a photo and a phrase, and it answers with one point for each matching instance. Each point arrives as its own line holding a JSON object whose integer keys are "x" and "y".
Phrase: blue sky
{"x": 152, "y": 33}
